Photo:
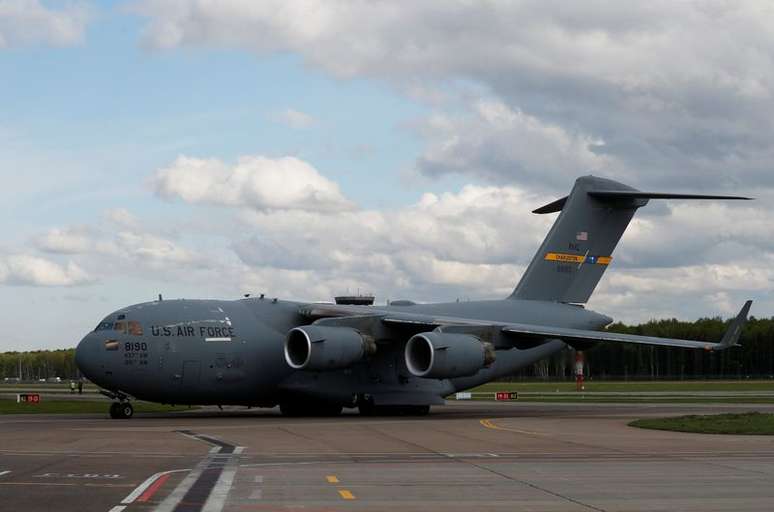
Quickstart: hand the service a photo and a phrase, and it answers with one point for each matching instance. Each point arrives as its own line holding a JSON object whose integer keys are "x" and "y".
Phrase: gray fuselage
{"x": 231, "y": 352}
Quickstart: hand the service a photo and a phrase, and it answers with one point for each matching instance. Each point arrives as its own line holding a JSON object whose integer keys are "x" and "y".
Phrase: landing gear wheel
{"x": 127, "y": 411}
{"x": 418, "y": 410}
{"x": 290, "y": 409}
{"x": 329, "y": 410}
{"x": 366, "y": 408}
{"x": 296, "y": 409}
{"x": 121, "y": 410}
{"x": 369, "y": 409}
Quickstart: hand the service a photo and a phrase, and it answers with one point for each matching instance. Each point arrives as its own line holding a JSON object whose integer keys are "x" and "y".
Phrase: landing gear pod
{"x": 313, "y": 347}
{"x": 437, "y": 355}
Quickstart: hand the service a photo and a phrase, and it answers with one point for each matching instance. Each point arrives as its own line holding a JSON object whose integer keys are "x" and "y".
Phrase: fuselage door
{"x": 191, "y": 371}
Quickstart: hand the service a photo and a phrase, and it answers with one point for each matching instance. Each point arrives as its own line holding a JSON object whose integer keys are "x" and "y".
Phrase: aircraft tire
{"x": 291, "y": 409}
{"x": 127, "y": 411}
{"x": 295, "y": 409}
{"x": 369, "y": 409}
{"x": 329, "y": 410}
{"x": 418, "y": 410}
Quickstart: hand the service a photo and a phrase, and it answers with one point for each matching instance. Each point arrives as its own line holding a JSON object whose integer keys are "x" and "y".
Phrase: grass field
{"x": 742, "y": 391}
{"x": 751, "y": 423}
{"x": 59, "y": 399}
{"x": 77, "y": 407}
{"x": 632, "y": 386}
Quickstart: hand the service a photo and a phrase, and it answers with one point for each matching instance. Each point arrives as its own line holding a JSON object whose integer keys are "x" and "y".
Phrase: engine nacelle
{"x": 437, "y": 355}
{"x": 313, "y": 347}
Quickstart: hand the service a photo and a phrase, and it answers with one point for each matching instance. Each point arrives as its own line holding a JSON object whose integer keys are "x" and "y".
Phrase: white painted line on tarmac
{"x": 257, "y": 494}
{"x": 117, "y": 508}
{"x": 259, "y": 479}
{"x": 217, "y": 499}
{"x": 177, "y": 495}
{"x": 5, "y": 472}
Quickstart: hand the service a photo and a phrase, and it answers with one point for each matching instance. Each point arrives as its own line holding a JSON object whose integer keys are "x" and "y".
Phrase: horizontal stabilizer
{"x": 556, "y": 206}
{"x": 612, "y": 195}
{"x": 626, "y": 194}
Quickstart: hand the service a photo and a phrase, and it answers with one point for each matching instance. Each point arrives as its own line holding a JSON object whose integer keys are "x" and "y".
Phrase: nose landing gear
{"x": 121, "y": 410}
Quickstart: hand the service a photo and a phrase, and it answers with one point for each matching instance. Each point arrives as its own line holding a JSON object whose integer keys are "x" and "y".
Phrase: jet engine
{"x": 438, "y": 355}
{"x": 314, "y": 347}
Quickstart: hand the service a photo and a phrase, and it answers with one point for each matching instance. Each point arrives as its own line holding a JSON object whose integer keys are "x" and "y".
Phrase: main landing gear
{"x": 121, "y": 410}
{"x": 369, "y": 409}
{"x": 296, "y": 409}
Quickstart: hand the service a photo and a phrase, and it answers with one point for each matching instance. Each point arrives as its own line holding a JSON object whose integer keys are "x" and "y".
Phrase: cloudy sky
{"x": 302, "y": 149}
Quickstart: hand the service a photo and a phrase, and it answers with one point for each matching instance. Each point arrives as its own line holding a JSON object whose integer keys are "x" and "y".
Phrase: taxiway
{"x": 464, "y": 456}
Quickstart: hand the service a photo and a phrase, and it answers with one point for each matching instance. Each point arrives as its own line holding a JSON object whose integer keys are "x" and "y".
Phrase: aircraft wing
{"x": 519, "y": 335}
{"x": 730, "y": 338}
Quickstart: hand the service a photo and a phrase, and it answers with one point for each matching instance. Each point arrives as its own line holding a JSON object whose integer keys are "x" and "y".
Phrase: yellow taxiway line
{"x": 489, "y": 424}
{"x": 344, "y": 493}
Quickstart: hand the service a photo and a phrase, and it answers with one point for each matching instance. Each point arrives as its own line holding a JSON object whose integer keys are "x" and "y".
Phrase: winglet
{"x": 731, "y": 337}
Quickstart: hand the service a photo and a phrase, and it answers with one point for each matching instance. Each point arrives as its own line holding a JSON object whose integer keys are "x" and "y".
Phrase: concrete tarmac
{"x": 466, "y": 456}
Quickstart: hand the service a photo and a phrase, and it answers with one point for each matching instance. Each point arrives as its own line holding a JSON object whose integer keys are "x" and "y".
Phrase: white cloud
{"x": 256, "y": 182}
{"x": 294, "y": 119}
{"x": 498, "y": 143}
{"x": 473, "y": 243}
{"x": 148, "y": 250}
{"x": 444, "y": 246}
{"x": 30, "y": 270}
{"x": 65, "y": 241}
{"x": 122, "y": 217}
{"x": 676, "y": 90}
{"x": 122, "y": 245}
{"x": 28, "y": 22}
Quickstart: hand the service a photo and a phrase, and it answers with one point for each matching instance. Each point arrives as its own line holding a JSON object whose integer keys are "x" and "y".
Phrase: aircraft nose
{"x": 86, "y": 356}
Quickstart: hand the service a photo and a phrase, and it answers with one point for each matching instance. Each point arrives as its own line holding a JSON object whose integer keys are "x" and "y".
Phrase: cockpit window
{"x": 135, "y": 329}
{"x": 132, "y": 327}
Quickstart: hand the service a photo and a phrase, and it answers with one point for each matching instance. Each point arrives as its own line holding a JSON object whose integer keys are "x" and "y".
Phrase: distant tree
{"x": 755, "y": 357}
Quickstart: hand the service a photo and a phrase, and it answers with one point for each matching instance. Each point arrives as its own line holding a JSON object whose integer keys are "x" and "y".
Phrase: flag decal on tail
{"x": 578, "y": 258}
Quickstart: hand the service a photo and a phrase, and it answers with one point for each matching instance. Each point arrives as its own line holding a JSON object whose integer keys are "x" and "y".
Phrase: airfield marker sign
{"x": 27, "y": 398}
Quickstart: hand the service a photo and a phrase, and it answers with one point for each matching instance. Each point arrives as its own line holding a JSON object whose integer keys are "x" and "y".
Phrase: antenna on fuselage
{"x": 160, "y": 298}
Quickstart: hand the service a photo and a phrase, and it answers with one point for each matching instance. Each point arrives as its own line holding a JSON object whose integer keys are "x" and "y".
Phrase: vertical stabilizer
{"x": 579, "y": 247}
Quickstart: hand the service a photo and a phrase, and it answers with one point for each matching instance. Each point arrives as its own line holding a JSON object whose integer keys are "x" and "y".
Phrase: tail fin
{"x": 579, "y": 247}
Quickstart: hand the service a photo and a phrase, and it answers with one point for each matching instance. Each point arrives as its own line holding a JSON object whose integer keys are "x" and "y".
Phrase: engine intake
{"x": 314, "y": 347}
{"x": 437, "y": 355}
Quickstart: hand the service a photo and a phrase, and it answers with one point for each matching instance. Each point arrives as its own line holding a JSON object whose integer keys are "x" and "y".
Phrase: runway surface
{"x": 463, "y": 457}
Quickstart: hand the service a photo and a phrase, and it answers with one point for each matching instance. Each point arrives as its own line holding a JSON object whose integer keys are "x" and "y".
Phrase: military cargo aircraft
{"x": 318, "y": 358}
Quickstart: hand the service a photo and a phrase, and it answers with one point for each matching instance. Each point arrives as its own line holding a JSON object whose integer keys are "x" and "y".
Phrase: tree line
{"x": 39, "y": 364}
{"x": 754, "y": 359}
